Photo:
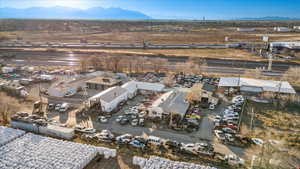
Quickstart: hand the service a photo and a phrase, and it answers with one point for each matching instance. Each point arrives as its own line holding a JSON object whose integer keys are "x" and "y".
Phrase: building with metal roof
{"x": 283, "y": 87}
{"x": 170, "y": 102}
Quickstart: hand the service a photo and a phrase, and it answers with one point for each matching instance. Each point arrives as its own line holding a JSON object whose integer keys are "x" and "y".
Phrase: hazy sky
{"x": 179, "y": 9}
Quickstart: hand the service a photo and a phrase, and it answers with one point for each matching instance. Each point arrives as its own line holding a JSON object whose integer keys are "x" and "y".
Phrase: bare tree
{"x": 169, "y": 80}
{"x": 195, "y": 94}
{"x": 158, "y": 64}
{"x": 83, "y": 65}
{"x": 292, "y": 75}
{"x": 200, "y": 65}
{"x": 253, "y": 73}
{"x": 95, "y": 62}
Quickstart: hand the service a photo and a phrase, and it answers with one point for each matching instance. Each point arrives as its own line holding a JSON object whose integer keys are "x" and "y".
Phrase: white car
{"x": 126, "y": 138}
{"x": 258, "y": 141}
{"x": 217, "y": 119}
{"x": 106, "y": 134}
{"x": 134, "y": 122}
{"x": 142, "y": 114}
{"x": 189, "y": 147}
{"x": 212, "y": 106}
{"x": 57, "y": 107}
{"x": 220, "y": 134}
{"x": 119, "y": 118}
{"x": 102, "y": 119}
{"x": 88, "y": 130}
{"x": 234, "y": 160}
{"x": 229, "y": 130}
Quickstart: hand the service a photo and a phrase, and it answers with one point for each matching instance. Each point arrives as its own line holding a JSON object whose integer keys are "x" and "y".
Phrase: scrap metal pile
{"x": 155, "y": 162}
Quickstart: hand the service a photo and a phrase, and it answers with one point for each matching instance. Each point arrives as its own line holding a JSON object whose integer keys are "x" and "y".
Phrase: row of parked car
{"x": 226, "y": 126}
{"x": 59, "y": 107}
{"x": 201, "y": 148}
{"x": 189, "y": 80}
{"x": 131, "y": 116}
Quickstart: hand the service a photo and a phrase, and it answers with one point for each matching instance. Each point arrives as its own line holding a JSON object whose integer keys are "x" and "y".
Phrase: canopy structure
{"x": 266, "y": 85}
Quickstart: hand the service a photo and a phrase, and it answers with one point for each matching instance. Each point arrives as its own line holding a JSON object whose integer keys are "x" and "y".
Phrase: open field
{"x": 159, "y": 32}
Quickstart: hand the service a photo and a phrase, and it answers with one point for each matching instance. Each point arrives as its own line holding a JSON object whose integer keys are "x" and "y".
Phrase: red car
{"x": 233, "y": 127}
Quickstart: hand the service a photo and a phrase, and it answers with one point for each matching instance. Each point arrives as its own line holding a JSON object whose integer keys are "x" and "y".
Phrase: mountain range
{"x": 59, "y": 12}
{"x": 270, "y": 18}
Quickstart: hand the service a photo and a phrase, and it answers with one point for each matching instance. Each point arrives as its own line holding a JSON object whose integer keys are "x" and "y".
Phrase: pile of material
{"x": 9, "y": 134}
{"x": 157, "y": 163}
{"x": 34, "y": 151}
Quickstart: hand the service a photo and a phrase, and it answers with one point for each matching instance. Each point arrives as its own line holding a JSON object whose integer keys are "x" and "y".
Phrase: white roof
{"x": 132, "y": 86}
{"x": 267, "y": 85}
{"x": 110, "y": 94}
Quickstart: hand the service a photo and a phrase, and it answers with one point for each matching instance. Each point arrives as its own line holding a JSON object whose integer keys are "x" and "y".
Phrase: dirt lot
{"x": 139, "y": 31}
{"x": 279, "y": 127}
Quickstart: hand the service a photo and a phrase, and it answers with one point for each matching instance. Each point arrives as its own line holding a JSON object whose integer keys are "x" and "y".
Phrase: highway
{"x": 221, "y": 66}
{"x": 119, "y": 45}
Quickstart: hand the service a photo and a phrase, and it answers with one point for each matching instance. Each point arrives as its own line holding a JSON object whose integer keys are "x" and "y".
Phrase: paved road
{"x": 73, "y": 59}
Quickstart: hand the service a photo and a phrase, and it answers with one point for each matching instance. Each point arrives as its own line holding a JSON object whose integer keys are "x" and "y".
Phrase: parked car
{"x": 134, "y": 122}
{"x": 57, "y": 107}
{"x": 229, "y": 137}
{"x": 119, "y": 118}
{"x": 217, "y": 119}
{"x": 189, "y": 147}
{"x": 137, "y": 144}
{"x": 142, "y": 114}
{"x": 85, "y": 130}
{"x": 124, "y": 121}
{"x": 124, "y": 139}
{"x": 64, "y": 107}
{"x": 212, "y": 106}
{"x": 142, "y": 122}
{"x": 102, "y": 119}
{"x": 220, "y": 135}
{"x": 106, "y": 133}
{"x": 228, "y": 130}
{"x": 173, "y": 144}
{"x": 234, "y": 160}
{"x": 154, "y": 140}
{"x": 51, "y": 106}
{"x": 257, "y": 141}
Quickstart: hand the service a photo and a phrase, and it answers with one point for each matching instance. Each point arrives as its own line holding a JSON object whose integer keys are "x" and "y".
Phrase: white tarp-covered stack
{"x": 108, "y": 153}
{"x": 34, "y": 151}
{"x": 158, "y": 163}
{"x": 9, "y": 134}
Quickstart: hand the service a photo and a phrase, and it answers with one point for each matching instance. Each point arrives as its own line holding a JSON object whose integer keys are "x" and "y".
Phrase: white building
{"x": 133, "y": 86}
{"x": 245, "y": 29}
{"x": 296, "y": 27}
{"x": 111, "y": 98}
{"x": 284, "y": 45}
{"x": 257, "y": 85}
{"x": 282, "y": 29}
{"x": 8, "y": 69}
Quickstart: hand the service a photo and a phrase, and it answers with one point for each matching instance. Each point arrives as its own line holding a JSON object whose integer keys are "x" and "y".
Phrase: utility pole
{"x": 262, "y": 155}
{"x": 252, "y": 118}
{"x": 270, "y": 62}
